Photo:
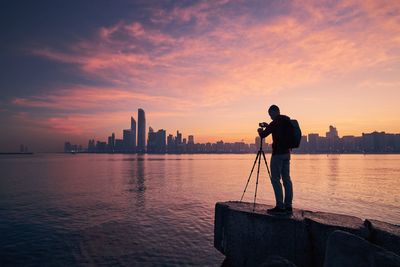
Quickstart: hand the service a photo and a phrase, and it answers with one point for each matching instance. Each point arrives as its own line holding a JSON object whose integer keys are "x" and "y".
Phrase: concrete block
{"x": 221, "y": 210}
{"x": 384, "y": 235}
{"x": 247, "y": 238}
{"x": 348, "y": 250}
{"x": 322, "y": 224}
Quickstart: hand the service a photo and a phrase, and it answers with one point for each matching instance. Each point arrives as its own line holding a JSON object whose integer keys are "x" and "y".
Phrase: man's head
{"x": 274, "y": 111}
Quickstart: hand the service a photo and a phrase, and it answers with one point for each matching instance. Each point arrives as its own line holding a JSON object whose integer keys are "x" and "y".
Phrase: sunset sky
{"x": 74, "y": 70}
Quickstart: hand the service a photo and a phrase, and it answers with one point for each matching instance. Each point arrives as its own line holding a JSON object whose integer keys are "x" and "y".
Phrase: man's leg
{"x": 287, "y": 183}
{"x": 276, "y": 167}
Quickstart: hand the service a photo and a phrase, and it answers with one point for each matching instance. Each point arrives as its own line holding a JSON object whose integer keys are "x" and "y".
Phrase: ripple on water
{"x": 128, "y": 210}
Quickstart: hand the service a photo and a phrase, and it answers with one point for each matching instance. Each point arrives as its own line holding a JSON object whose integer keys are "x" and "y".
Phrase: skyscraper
{"x": 111, "y": 143}
{"x": 171, "y": 148}
{"x": 332, "y": 139}
{"x": 178, "y": 138}
{"x": 156, "y": 141}
{"x": 133, "y": 134}
{"x": 313, "y": 142}
{"x": 190, "y": 144}
{"x": 141, "y": 133}
{"x": 332, "y": 133}
{"x": 127, "y": 140}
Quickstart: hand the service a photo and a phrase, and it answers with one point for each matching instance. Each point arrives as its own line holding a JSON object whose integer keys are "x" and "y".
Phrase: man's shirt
{"x": 279, "y": 128}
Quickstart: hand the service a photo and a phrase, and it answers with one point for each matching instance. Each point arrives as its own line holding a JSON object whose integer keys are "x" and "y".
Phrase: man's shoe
{"x": 276, "y": 210}
{"x": 289, "y": 210}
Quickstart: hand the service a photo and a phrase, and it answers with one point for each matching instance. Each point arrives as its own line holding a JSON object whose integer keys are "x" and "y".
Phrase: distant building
{"x": 180, "y": 145}
{"x": 220, "y": 146}
{"x": 397, "y": 142}
{"x": 332, "y": 133}
{"x": 156, "y": 141}
{"x": 67, "y": 147}
{"x": 303, "y": 148}
{"x": 111, "y": 143}
{"x": 141, "y": 144}
{"x": 119, "y": 145}
{"x": 190, "y": 148}
{"x": 349, "y": 144}
{"x": 313, "y": 142}
{"x": 332, "y": 139}
{"x": 239, "y": 147}
{"x": 322, "y": 144}
{"x": 257, "y": 141}
{"x": 133, "y": 134}
{"x": 101, "y": 147}
{"x": 171, "y": 144}
{"x": 91, "y": 146}
{"x": 374, "y": 142}
{"x": 178, "y": 138}
{"x": 127, "y": 140}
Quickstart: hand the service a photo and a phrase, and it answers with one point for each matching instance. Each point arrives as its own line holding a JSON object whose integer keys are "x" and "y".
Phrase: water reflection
{"x": 334, "y": 169}
{"x": 157, "y": 210}
{"x": 140, "y": 176}
{"x": 136, "y": 179}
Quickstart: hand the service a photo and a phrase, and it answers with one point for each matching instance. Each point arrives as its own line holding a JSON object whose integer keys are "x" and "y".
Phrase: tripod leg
{"x": 258, "y": 174}
{"x": 251, "y": 172}
{"x": 266, "y": 164}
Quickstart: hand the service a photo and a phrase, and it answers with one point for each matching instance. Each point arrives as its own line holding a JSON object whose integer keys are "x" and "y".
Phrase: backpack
{"x": 294, "y": 137}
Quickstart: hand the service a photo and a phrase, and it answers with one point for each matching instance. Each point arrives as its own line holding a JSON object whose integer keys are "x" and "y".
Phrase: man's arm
{"x": 267, "y": 130}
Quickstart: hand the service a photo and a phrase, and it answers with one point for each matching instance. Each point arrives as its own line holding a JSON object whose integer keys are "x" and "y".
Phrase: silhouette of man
{"x": 280, "y": 159}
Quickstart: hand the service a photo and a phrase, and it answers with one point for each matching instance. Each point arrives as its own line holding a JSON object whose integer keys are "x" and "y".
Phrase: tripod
{"x": 258, "y": 157}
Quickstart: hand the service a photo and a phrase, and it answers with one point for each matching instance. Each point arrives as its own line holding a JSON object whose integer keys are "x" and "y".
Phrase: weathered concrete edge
{"x": 383, "y": 234}
{"x": 347, "y": 250}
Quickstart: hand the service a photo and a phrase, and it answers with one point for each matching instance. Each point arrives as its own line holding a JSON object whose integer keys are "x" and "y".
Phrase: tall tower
{"x": 133, "y": 134}
{"x": 141, "y": 133}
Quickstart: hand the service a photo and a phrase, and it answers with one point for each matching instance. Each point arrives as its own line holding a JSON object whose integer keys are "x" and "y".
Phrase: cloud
{"x": 92, "y": 111}
{"x": 97, "y": 125}
{"x": 236, "y": 56}
{"x": 94, "y": 98}
{"x": 215, "y": 54}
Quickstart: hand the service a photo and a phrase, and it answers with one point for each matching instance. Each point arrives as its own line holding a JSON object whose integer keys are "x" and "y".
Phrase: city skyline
{"x": 127, "y": 134}
{"x": 207, "y": 67}
{"x": 158, "y": 142}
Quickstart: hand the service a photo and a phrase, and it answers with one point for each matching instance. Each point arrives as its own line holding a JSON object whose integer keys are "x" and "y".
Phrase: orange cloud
{"x": 92, "y": 98}
{"x": 236, "y": 57}
{"x": 231, "y": 58}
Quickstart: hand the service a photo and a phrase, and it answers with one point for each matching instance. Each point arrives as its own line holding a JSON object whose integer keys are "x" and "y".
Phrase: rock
{"x": 348, "y": 250}
{"x": 248, "y": 238}
{"x": 276, "y": 261}
{"x": 385, "y": 235}
{"x": 322, "y": 224}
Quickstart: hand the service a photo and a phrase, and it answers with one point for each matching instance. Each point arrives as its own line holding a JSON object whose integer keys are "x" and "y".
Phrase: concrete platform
{"x": 248, "y": 238}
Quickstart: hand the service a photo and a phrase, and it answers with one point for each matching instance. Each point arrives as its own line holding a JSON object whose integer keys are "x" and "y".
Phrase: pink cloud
{"x": 98, "y": 125}
{"x": 92, "y": 98}
{"x": 236, "y": 58}
{"x": 227, "y": 59}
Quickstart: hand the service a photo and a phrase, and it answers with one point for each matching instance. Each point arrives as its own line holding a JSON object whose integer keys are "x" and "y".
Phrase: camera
{"x": 263, "y": 124}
